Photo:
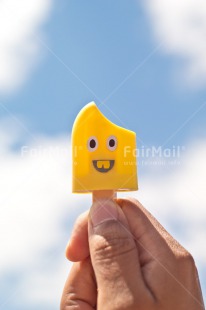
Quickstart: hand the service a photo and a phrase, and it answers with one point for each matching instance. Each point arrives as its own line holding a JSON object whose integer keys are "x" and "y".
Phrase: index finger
{"x": 77, "y": 248}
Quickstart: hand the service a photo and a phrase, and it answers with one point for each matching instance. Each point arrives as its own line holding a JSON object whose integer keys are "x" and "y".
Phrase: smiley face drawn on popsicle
{"x": 102, "y": 165}
{"x": 103, "y": 153}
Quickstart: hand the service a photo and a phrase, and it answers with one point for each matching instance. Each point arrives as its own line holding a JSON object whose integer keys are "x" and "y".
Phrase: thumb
{"x": 114, "y": 257}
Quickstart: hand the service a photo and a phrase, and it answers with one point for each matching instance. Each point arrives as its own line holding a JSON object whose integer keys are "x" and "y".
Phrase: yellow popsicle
{"x": 104, "y": 154}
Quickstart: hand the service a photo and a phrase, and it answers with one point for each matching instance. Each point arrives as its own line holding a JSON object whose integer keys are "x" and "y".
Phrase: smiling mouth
{"x": 103, "y": 165}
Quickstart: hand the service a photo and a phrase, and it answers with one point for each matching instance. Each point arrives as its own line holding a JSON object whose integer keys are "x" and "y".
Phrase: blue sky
{"x": 102, "y": 44}
{"x": 114, "y": 53}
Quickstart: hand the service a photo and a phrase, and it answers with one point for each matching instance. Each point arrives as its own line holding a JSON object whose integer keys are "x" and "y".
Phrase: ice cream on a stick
{"x": 104, "y": 155}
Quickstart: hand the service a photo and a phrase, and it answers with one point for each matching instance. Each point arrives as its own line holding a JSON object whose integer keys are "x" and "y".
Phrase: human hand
{"x": 124, "y": 254}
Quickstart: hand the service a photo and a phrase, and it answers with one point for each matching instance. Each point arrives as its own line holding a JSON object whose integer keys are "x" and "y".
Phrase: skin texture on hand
{"x": 125, "y": 260}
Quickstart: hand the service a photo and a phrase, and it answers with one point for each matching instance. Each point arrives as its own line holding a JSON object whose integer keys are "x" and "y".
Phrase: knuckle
{"x": 69, "y": 302}
{"x": 189, "y": 258}
{"x": 185, "y": 259}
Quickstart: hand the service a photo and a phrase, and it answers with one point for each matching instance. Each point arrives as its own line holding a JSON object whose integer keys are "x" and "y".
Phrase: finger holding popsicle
{"x": 124, "y": 258}
{"x": 104, "y": 160}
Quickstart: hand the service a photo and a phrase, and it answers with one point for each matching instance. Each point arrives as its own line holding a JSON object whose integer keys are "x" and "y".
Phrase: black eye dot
{"x": 111, "y": 142}
{"x": 92, "y": 143}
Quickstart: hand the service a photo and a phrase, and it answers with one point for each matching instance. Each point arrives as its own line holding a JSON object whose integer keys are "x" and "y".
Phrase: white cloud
{"x": 19, "y": 49}
{"x": 178, "y": 196}
{"x": 181, "y": 27}
{"x": 38, "y": 209}
{"x": 36, "y": 215}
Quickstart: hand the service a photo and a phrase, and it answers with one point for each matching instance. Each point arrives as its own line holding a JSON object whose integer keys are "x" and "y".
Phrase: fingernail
{"x": 102, "y": 211}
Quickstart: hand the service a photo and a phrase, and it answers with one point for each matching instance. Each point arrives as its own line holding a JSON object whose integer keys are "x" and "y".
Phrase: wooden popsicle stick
{"x": 103, "y": 194}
